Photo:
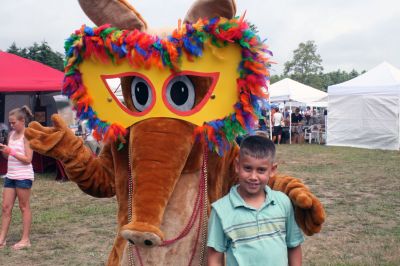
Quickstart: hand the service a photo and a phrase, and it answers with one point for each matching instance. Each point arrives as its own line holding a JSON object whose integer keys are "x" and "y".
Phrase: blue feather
{"x": 88, "y": 31}
{"x": 191, "y": 48}
{"x": 140, "y": 50}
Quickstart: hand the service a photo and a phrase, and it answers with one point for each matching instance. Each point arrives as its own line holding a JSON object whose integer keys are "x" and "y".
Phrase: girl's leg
{"x": 9, "y": 195}
{"x": 23, "y": 195}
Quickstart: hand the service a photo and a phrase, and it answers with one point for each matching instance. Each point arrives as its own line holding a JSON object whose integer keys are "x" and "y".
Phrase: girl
{"x": 18, "y": 182}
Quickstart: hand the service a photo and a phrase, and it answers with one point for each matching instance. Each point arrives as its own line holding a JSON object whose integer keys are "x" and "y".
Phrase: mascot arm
{"x": 94, "y": 175}
{"x": 309, "y": 212}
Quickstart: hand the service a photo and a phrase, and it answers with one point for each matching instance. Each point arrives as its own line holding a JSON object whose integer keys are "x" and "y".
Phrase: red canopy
{"x": 20, "y": 74}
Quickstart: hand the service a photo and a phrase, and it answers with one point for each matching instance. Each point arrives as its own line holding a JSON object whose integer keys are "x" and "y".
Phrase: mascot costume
{"x": 169, "y": 146}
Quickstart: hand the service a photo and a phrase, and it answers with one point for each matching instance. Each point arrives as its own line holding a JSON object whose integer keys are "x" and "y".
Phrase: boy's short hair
{"x": 258, "y": 147}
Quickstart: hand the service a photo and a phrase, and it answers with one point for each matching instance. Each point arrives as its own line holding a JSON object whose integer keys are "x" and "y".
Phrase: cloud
{"x": 349, "y": 34}
{"x": 363, "y": 49}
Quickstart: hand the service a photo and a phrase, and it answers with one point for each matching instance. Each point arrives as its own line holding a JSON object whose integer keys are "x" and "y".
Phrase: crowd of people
{"x": 297, "y": 121}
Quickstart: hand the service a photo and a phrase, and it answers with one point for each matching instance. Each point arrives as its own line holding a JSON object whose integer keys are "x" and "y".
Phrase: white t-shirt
{"x": 278, "y": 117}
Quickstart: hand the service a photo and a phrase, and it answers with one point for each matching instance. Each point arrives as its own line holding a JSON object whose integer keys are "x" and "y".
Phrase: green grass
{"x": 359, "y": 188}
{"x": 361, "y": 193}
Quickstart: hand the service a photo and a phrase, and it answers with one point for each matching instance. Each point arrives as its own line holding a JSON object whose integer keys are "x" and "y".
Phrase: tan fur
{"x": 309, "y": 212}
{"x": 211, "y": 9}
{"x": 117, "y": 12}
{"x": 106, "y": 175}
{"x": 155, "y": 171}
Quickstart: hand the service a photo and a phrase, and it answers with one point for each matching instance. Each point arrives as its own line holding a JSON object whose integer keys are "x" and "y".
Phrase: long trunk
{"x": 159, "y": 150}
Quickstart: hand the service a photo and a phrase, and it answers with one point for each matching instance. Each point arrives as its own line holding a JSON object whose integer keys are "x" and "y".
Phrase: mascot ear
{"x": 118, "y": 13}
{"x": 211, "y": 9}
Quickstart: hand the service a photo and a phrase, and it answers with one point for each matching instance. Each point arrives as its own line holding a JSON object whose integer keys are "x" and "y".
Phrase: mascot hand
{"x": 309, "y": 212}
{"x": 58, "y": 142}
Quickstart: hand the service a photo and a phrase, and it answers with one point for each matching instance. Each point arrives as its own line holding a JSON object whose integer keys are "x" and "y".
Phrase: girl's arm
{"x": 24, "y": 158}
{"x": 28, "y": 153}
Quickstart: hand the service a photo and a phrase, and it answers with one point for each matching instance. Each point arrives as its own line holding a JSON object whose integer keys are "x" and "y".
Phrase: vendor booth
{"x": 295, "y": 94}
{"x": 27, "y": 82}
{"x": 364, "y": 112}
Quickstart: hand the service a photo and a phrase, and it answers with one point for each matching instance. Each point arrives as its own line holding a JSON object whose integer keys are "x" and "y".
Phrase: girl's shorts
{"x": 11, "y": 183}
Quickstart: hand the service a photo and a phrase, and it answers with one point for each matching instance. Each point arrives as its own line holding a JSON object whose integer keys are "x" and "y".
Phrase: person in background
{"x": 277, "y": 121}
{"x": 254, "y": 225}
{"x": 307, "y": 115}
{"x": 18, "y": 182}
{"x": 88, "y": 139}
{"x": 297, "y": 128}
{"x": 262, "y": 121}
{"x": 3, "y": 133}
{"x": 286, "y": 116}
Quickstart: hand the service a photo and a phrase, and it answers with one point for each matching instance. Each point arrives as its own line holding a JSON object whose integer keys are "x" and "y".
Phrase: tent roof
{"x": 19, "y": 74}
{"x": 383, "y": 77}
{"x": 290, "y": 90}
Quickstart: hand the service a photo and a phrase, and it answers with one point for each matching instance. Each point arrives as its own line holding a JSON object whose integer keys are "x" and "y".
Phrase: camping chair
{"x": 313, "y": 133}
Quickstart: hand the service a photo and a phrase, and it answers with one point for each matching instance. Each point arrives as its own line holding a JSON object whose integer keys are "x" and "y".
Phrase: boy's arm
{"x": 216, "y": 242}
{"x": 215, "y": 258}
{"x": 294, "y": 256}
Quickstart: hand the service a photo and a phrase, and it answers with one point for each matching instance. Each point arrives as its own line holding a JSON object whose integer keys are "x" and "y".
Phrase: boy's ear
{"x": 274, "y": 168}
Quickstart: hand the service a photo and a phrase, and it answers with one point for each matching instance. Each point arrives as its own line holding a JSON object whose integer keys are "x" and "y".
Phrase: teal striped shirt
{"x": 252, "y": 236}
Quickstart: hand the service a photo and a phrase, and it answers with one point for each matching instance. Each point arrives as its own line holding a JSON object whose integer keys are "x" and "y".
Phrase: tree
{"x": 276, "y": 78}
{"x": 338, "y": 76}
{"x": 305, "y": 67}
{"x": 41, "y": 53}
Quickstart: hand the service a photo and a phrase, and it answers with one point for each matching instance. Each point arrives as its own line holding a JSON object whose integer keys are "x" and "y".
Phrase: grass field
{"x": 359, "y": 188}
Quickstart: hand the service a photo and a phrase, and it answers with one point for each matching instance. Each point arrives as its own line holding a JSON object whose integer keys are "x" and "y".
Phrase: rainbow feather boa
{"x": 143, "y": 50}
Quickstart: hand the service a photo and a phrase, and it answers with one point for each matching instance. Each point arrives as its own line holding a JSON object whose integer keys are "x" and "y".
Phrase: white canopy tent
{"x": 295, "y": 94}
{"x": 293, "y": 91}
{"x": 323, "y": 102}
{"x": 364, "y": 112}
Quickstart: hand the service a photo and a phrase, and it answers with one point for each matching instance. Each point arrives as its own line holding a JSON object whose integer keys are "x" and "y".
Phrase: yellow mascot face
{"x": 211, "y": 73}
{"x": 197, "y": 93}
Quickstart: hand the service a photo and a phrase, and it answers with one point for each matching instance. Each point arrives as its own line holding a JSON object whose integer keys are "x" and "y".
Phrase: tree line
{"x": 41, "y": 53}
{"x": 306, "y": 67}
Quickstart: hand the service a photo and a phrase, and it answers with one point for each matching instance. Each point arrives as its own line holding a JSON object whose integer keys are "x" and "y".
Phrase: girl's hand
{"x": 7, "y": 150}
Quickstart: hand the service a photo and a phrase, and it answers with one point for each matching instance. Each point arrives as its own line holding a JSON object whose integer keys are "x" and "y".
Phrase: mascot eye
{"x": 142, "y": 95}
{"x": 180, "y": 93}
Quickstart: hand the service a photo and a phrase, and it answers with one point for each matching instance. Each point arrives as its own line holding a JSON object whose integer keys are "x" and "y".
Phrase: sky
{"x": 349, "y": 34}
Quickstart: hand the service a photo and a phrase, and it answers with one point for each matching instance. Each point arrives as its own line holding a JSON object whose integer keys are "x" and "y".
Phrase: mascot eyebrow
{"x": 106, "y": 44}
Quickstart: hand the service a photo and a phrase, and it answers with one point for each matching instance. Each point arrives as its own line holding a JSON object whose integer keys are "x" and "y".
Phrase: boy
{"x": 253, "y": 224}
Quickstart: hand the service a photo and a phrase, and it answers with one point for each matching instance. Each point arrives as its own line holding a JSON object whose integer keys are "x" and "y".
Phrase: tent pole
{"x": 270, "y": 122}
{"x": 290, "y": 122}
